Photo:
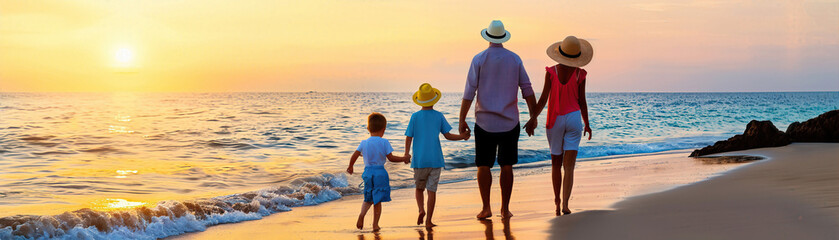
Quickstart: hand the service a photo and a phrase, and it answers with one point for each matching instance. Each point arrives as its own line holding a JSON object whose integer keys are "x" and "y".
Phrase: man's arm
{"x": 469, "y": 93}
{"x": 464, "y": 110}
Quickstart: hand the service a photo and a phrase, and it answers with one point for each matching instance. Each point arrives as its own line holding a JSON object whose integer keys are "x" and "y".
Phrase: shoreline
{"x": 457, "y": 202}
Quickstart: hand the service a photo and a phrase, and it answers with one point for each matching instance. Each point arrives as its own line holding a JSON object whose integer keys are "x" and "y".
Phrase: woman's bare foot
{"x": 429, "y": 224}
{"x": 566, "y": 211}
{"x": 376, "y": 228}
{"x": 420, "y": 218}
{"x": 506, "y": 214}
{"x": 360, "y": 223}
{"x": 484, "y": 214}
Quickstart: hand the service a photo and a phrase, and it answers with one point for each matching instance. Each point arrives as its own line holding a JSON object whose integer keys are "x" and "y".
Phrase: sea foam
{"x": 169, "y": 218}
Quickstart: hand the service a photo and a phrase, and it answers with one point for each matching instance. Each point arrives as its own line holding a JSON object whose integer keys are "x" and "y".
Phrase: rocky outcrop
{"x": 824, "y": 128}
{"x": 758, "y": 134}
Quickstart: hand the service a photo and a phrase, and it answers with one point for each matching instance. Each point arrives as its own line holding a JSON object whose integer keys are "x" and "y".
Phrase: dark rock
{"x": 758, "y": 134}
{"x": 824, "y": 128}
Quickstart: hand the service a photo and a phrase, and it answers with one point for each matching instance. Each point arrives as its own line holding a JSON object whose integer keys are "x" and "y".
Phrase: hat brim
{"x": 586, "y": 53}
{"x": 495, "y": 40}
{"x": 428, "y": 104}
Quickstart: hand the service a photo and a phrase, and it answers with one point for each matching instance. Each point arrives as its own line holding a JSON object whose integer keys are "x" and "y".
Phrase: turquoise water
{"x": 65, "y": 151}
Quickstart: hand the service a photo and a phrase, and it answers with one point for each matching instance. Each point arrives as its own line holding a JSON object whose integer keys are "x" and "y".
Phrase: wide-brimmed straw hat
{"x": 495, "y": 33}
{"x": 572, "y": 51}
{"x": 427, "y": 96}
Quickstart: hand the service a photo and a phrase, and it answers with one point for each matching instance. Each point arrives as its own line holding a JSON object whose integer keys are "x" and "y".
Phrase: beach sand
{"x": 598, "y": 185}
{"x": 794, "y": 195}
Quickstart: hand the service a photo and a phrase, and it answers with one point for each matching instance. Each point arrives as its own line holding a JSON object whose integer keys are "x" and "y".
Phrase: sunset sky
{"x": 348, "y": 45}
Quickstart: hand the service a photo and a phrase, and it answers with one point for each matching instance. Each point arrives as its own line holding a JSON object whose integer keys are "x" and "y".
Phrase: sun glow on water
{"x": 116, "y": 204}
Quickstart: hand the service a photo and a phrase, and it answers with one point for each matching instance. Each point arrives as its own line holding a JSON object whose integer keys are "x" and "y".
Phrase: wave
{"x": 465, "y": 158}
{"x": 36, "y": 138}
{"x": 170, "y": 217}
{"x": 227, "y": 143}
{"x": 103, "y": 149}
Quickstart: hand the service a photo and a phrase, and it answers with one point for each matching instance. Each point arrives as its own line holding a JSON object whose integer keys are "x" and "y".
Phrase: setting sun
{"x": 124, "y": 56}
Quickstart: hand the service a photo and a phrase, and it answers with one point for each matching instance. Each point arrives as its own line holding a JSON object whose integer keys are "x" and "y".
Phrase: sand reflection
{"x": 422, "y": 235}
{"x": 490, "y": 234}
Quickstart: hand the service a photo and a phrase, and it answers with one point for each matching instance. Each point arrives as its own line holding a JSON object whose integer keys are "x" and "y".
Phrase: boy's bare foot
{"x": 506, "y": 214}
{"x": 420, "y": 218}
{"x": 484, "y": 214}
{"x": 429, "y": 224}
{"x": 376, "y": 228}
{"x": 360, "y": 223}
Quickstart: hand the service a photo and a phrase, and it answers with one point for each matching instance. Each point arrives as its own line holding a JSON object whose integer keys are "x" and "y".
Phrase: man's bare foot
{"x": 484, "y": 214}
{"x": 376, "y": 228}
{"x": 566, "y": 211}
{"x": 420, "y": 218}
{"x": 360, "y": 223}
{"x": 506, "y": 214}
{"x": 429, "y": 224}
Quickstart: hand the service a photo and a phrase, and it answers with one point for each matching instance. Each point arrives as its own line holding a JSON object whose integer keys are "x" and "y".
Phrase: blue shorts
{"x": 376, "y": 184}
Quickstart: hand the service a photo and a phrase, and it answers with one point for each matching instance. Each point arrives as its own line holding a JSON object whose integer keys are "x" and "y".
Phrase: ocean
{"x": 151, "y": 165}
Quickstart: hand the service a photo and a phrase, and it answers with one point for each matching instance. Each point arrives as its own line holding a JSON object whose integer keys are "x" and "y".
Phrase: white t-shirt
{"x": 374, "y": 150}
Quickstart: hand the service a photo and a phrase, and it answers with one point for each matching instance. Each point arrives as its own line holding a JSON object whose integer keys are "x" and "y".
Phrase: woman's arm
{"x": 540, "y": 105}
{"x": 546, "y": 92}
{"x": 584, "y": 108}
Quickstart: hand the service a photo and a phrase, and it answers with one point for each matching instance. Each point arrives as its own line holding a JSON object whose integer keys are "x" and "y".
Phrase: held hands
{"x": 587, "y": 130}
{"x": 407, "y": 158}
{"x": 530, "y": 126}
{"x": 463, "y": 127}
{"x": 465, "y": 136}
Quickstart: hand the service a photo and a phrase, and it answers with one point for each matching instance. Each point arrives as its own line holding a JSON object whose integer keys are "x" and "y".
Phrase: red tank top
{"x": 564, "y": 97}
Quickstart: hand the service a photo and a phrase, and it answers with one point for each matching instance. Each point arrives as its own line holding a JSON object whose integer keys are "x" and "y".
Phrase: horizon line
{"x": 787, "y": 91}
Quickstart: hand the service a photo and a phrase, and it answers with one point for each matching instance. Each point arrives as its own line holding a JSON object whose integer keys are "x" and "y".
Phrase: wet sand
{"x": 793, "y": 195}
{"x": 598, "y": 185}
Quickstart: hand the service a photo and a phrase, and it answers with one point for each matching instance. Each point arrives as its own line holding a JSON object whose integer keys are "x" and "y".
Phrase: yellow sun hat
{"x": 427, "y": 96}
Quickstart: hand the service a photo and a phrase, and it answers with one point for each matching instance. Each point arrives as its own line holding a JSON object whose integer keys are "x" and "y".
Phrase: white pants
{"x": 566, "y": 133}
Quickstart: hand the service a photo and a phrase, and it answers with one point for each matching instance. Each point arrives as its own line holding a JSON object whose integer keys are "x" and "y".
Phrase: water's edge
{"x": 176, "y": 217}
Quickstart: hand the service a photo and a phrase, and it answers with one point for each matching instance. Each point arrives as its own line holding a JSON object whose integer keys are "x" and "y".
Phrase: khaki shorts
{"x": 427, "y": 178}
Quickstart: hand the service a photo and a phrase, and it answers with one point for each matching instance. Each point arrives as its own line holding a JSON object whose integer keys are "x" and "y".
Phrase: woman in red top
{"x": 565, "y": 94}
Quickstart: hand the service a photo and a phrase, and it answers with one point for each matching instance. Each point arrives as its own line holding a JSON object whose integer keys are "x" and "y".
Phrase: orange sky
{"x": 211, "y": 45}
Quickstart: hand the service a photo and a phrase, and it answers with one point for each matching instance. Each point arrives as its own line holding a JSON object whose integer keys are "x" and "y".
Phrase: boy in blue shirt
{"x": 375, "y": 150}
{"x": 424, "y": 130}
